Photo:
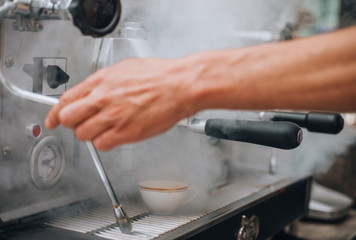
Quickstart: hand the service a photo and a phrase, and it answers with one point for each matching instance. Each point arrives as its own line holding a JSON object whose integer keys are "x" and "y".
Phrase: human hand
{"x": 127, "y": 102}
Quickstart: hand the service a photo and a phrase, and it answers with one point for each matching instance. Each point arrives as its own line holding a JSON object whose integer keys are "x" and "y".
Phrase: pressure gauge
{"x": 47, "y": 162}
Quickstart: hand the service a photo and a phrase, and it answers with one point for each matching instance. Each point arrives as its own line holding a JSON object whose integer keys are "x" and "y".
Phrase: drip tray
{"x": 100, "y": 221}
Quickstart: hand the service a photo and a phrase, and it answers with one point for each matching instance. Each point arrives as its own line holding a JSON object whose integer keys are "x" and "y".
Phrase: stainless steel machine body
{"x": 48, "y": 157}
{"x": 48, "y": 182}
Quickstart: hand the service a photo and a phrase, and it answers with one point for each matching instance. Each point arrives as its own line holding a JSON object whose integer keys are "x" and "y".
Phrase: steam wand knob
{"x": 56, "y": 76}
{"x": 95, "y": 17}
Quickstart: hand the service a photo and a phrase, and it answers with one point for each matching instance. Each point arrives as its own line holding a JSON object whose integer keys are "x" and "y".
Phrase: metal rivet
{"x": 9, "y": 61}
{"x": 38, "y": 27}
{"x": 6, "y": 151}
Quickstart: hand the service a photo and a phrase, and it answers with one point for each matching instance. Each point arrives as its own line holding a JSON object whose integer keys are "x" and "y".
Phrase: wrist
{"x": 194, "y": 89}
{"x": 211, "y": 80}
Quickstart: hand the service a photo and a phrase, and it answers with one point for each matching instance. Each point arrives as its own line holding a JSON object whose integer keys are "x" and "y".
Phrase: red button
{"x": 36, "y": 131}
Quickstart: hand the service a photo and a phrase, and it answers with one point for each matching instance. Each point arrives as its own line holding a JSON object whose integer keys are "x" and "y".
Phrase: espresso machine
{"x": 51, "y": 184}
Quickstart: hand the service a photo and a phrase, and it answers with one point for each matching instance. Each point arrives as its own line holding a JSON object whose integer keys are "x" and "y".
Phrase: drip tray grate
{"x": 148, "y": 227}
{"x": 100, "y": 221}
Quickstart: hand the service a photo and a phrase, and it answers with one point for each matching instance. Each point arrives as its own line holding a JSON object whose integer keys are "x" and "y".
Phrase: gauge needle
{"x": 48, "y": 162}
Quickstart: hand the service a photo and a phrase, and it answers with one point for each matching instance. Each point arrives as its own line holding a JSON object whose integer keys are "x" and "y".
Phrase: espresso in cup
{"x": 164, "y": 197}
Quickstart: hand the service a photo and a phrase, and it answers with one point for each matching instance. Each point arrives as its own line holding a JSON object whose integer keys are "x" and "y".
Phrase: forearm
{"x": 317, "y": 73}
{"x": 139, "y": 98}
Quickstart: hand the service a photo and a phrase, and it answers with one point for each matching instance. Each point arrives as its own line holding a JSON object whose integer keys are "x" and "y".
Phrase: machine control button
{"x": 249, "y": 228}
{"x": 56, "y": 76}
{"x": 48, "y": 75}
{"x": 33, "y": 130}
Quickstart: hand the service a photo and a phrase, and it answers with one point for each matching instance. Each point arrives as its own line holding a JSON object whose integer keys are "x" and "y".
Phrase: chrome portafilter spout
{"x": 122, "y": 219}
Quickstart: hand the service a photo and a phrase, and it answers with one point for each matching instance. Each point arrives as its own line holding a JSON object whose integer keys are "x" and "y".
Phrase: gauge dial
{"x": 47, "y": 162}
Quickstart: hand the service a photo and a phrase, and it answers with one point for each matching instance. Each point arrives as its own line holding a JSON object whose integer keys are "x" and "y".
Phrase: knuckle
{"x": 64, "y": 120}
{"x": 103, "y": 145}
{"x": 99, "y": 75}
{"x": 80, "y": 134}
{"x": 129, "y": 135}
{"x": 102, "y": 99}
{"x": 52, "y": 116}
{"x": 99, "y": 100}
{"x": 64, "y": 99}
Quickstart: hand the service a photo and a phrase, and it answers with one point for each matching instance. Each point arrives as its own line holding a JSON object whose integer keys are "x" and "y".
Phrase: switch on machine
{"x": 49, "y": 75}
{"x": 56, "y": 76}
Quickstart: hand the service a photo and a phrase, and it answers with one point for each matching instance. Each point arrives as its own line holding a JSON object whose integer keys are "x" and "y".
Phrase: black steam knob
{"x": 95, "y": 17}
{"x": 56, "y": 76}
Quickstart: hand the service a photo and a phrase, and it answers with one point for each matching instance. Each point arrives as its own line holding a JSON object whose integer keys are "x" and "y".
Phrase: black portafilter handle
{"x": 283, "y": 135}
{"x": 331, "y": 123}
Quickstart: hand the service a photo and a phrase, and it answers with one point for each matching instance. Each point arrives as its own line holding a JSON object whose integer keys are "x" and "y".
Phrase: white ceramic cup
{"x": 164, "y": 197}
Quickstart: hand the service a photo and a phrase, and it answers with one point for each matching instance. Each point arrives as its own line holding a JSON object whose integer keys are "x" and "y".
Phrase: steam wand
{"x": 122, "y": 219}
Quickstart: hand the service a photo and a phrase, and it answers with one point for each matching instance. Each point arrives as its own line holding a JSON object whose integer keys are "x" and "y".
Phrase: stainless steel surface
{"x": 257, "y": 36}
{"x": 49, "y": 101}
{"x": 327, "y": 204}
{"x": 78, "y": 57}
{"x": 95, "y": 218}
{"x": 7, "y": 6}
{"x": 324, "y": 230}
{"x": 130, "y": 42}
{"x": 122, "y": 218}
{"x": 98, "y": 222}
{"x": 37, "y": 8}
{"x": 28, "y": 14}
{"x": 273, "y": 161}
{"x": 265, "y": 116}
{"x": 145, "y": 225}
{"x": 194, "y": 124}
{"x": 150, "y": 227}
{"x": 57, "y": 42}
{"x": 76, "y": 53}
{"x": 133, "y": 30}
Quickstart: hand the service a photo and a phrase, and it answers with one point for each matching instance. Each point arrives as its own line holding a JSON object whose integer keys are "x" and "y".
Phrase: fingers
{"x": 95, "y": 126}
{"x": 77, "y": 92}
{"x": 73, "y": 114}
{"x": 127, "y": 133}
{"x": 52, "y": 120}
{"x": 82, "y": 89}
{"x": 114, "y": 137}
{"x": 68, "y": 113}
